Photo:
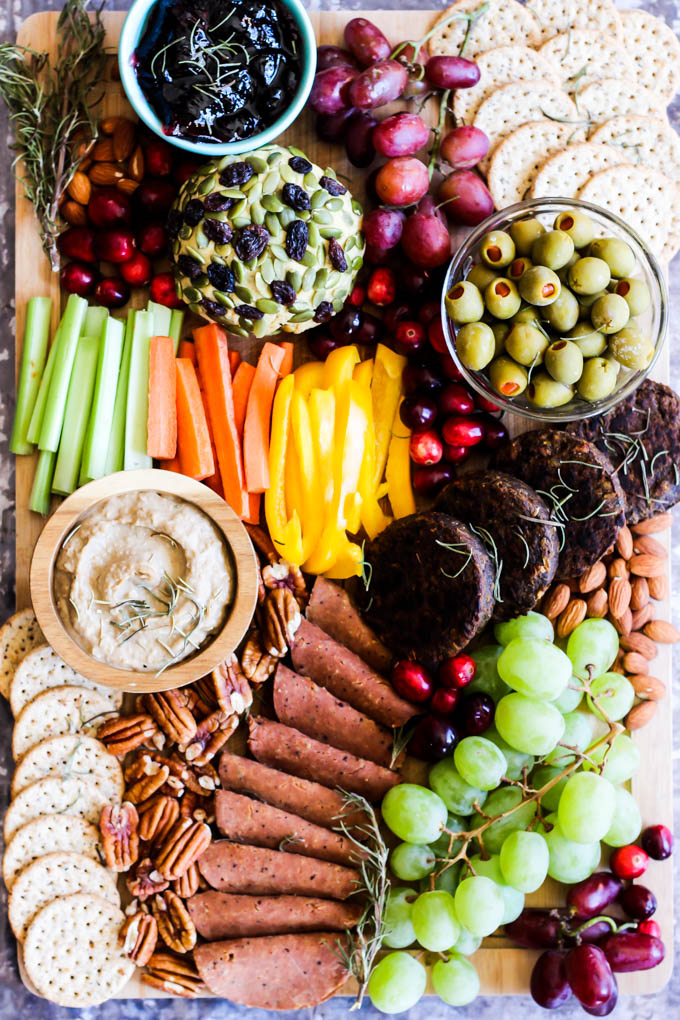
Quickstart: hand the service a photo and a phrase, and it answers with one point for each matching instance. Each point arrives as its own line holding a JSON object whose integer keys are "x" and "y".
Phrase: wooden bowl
{"x": 64, "y": 519}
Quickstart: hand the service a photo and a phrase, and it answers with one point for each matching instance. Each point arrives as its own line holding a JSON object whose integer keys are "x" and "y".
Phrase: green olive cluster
{"x": 551, "y": 312}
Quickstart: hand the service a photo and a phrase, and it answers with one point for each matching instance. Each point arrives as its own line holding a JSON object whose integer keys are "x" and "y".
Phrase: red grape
{"x": 462, "y": 431}
{"x": 549, "y": 986}
{"x": 484, "y": 404}
{"x": 629, "y": 862}
{"x": 401, "y": 135}
{"x": 607, "y": 1007}
{"x": 434, "y": 738}
{"x": 429, "y": 480}
{"x": 410, "y": 337}
{"x": 152, "y": 239}
{"x": 426, "y": 240}
{"x": 426, "y": 448}
{"x": 375, "y": 256}
{"x": 108, "y": 206}
{"x": 378, "y": 85}
{"x": 536, "y": 928}
{"x": 370, "y": 330}
{"x": 402, "y": 181}
{"x": 411, "y": 680}
{"x": 382, "y": 287}
{"x": 463, "y": 147}
{"x": 587, "y": 898}
{"x": 455, "y": 399}
{"x": 456, "y": 454}
{"x": 628, "y": 950}
{"x": 366, "y": 41}
{"x": 383, "y": 227}
{"x": 346, "y": 324}
{"x": 638, "y": 901}
{"x": 359, "y": 139}
{"x": 590, "y": 976}
{"x": 331, "y": 127}
{"x": 414, "y": 279}
{"x": 333, "y": 56}
{"x": 396, "y": 313}
{"x": 458, "y": 671}
{"x": 330, "y": 89}
{"x": 657, "y": 840}
{"x": 78, "y": 243}
{"x": 451, "y": 72}
{"x": 495, "y": 433}
{"x": 419, "y": 377}
{"x": 78, "y": 278}
{"x": 450, "y": 368}
{"x": 409, "y": 54}
{"x": 477, "y": 713}
{"x": 468, "y": 200}
{"x": 418, "y": 412}
{"x": 137, "y": 270}
{"x": 112, "y": 292}
{"x": 428, "y": 311}
{"x": 593, "y": 933}
{"x": 115, "y": 245}
{"x": 321, "y": 345}
{"x": 443, "y": 701}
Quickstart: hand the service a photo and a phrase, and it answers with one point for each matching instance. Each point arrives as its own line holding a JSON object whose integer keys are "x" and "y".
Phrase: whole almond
{"x": 624, "y": 623}
{"x": 597, "y": 605}
{"x": 642, "y": 616}
{"x": 640, "y": 715}
{"x": 105, "y": 175}
{"x": 617, "y": 665}
{"x": 618, "y": 568}
{"x": 658, "y": 587}
{"x": 646, "y": 565}
{"x": 570, "y": 618}
{"x": 619, "y": 596}
{"x": 633, "y": 662}
{"x": 647, "y": 544}
{"x": 74, "y": 213}
{"x": 556, "y": 601}
{"x": 135, "y": 167}
{"x": 648, "y": 687}
{"x": 661, "y": 631}
{"x": 127, "y": 185}
{"x": 593, "y": 578}
{"x": 637, "y": 642}
{"x": 624, "y": 542}
{"x": 124, "y": 137}
{"x": 108, "y": 125}
{"x": 639, "y": 593}
{"x": 103, "y": 151}
{"x": 655, "y": 524}
{"x": 80, "y": 188}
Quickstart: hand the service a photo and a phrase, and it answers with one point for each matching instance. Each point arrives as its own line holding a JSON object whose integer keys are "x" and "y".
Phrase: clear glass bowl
{"x": 654, "y": 321}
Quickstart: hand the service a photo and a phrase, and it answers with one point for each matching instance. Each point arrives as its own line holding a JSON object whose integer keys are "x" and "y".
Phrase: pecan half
{"x": 175, "y": 975}
{"x": 124, "y": 734}
{"x": 189, "y": 805}
{"x": 284, "y": 575}
{"x": 227, "y": 687}
{"x": 262, "y": 542}
{"x": 148, "y": 785}
{"x": 170, "y": 710}
{"x": 119, "y": 825}
{"x": 279, "y": 619}
{"x": 183, "y": 845}
{"x": 138, "y": 937}
{"x": 145, "y": 880}
{"x": 211, "y": 735}
{"x": 174, "y": 922}
{"x": 189, "y": 884}
{"x": 157, "y": 818}
{"x": 257, "y": 665}
{"x": 196, "y": 703}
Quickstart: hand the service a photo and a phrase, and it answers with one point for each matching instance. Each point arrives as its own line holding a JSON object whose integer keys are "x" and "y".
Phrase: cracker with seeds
{"x": 498, "y": 67}
{"x": 563, "y": 174}
{"x": 57, "y": 711}
{"x": 556, "y": 16}
{"x": 52, "y": 797}
{"x": 71, "y": 755}
{"x": 504, "y": 22}
{"x": 611, "y": 97}
{"x": 519, "y": 157}
{"x": 42, "y": 669}
{"x": 47, "y": 834}
{"x": 582, "y": 55}
{"x": 18, "y": 636}
{"x": 644, "y": 141}
{"x": 655, "y": 50}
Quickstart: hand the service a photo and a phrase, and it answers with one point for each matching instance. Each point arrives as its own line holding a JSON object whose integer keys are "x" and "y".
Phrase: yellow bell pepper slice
{"x": 339, "y": 366}
{"x": 348, "y": 564}
{"x": 308, "y": 377}
{"x": 292, "y": 480}
{"x": 285, "y": 532}
{"x": 309, "y": 478}
{"x": 386, "y": 389}
{"x": 363, "y": 373}
{"x": 398, "y": 470}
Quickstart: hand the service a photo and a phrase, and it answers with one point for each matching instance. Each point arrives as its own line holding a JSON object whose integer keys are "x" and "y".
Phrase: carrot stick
{"x": 258, "y": 417}
{"x": 287, "y": 364}
{"x": 240, "y": 385}
{"x": 171, "y": 465}
{"x": 193, "y": 438}
{"x": 161, "y": 427}
{"x": 187, "y": 350}
{"x": 214, "y": 482}
{"x": 234, "y": 361}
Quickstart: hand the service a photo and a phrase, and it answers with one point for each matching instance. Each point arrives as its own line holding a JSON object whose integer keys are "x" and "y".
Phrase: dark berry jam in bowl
{"x": 217, "y": 76}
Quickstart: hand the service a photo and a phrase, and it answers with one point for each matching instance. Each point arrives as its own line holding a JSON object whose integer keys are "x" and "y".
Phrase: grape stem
{"x": 436, "y": 145}
{"x": 471, "y": 17}
{"x": 594, "y": 920}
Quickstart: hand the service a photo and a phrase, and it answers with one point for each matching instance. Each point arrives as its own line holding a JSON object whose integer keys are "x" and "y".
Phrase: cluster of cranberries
{"x": 125, "y": 238}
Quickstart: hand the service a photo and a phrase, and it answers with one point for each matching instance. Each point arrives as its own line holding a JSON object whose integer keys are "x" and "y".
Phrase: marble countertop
{"x": 14, "y": 999}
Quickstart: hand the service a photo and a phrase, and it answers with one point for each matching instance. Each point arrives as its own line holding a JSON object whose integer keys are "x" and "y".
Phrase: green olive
{"x": 586, "y": 301}
{"x": 524, "y": 233}
{"x": 502, "y": 298}
{"x": 543, "y": 391}
{"x": 464, "y": 302}
{"x": 540, "y": 286}
{"x": 564, "y": 361}
{"x": 518, "y": 267}
{"x": 589, "y": 341}
{"x": 563, "y": 314}
{"x": 507, "y": 377}
{"x": 616, "y": 253}
{"x": 631, "y": 348}
{"x": 589, "y": 275}
{"x": 526, "y": 314}
{"x": 552, "y": 249}
{"x": 610, "y": 313}
{"x": 500, "y": 330}
{"x": 526, "y": 344}
{"x": 497, "y": 249}
{"x": 481, "y": 276}
{"x": 579, "y": 226}
{"x": 475, "y": 345}
{"x": 563, "y": 273}
{"x": 635, "y": 293}
{"x": 598, "y": 379}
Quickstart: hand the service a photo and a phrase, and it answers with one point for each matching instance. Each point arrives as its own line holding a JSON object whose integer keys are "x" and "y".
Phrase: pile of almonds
{"x": 623, "y": 588}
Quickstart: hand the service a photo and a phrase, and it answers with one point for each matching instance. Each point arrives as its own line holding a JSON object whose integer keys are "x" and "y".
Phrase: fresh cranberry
{"x": 456, "y": 454}
{"x": 435, "y": 334}
{"x": 458, "y": 671}
{"x": 429, "y": 311}
{"x": 108, "y": 206}
{"x": 476, "y": 713}
{"x": 78, "y": 278}
{"x": 152, "y": 239}
{"x": 461, "y": 431}
{"x": 374, "y": 256}
{"x": 410, "y": 337}
{"x": 411, "y": 681}
{"x": 649, "y": 927}
{"x": 117, "y": 244}
{"x": 450, "y": 369}
{"x": 419, "y": 378}
{"x": 415, "y": 280}
{"x": 157, "y": 158}
{"x": 418, "y": 412}
{"x": 484, "y": 404}
{"x": 382, "y": 287}
{"x": 370, "y": 330}
{"x": 455, "y": 399}
{"x": 427, "y": 481}
{"x": 657, "y": 840}
{"x": 136, "y": 270}
{"x": 426, "y": 448}
{"x": 358, "y": 295}
{"x": 396, "y": 313}
{"x": 78, "y": 243}
{"x": 495, "y": 433}
{"x": 163, "y": 291}
{"x": 112, "y": 292}
{"x": 638, "y": 902}
{"x": 321, "y": 345}
{"x": 184, "y": 170}
{"x": 629, "y": 862}
{"x": 444, "y": 701}
{"x": 153, "y": 198}
{"x": 434, "y": 738}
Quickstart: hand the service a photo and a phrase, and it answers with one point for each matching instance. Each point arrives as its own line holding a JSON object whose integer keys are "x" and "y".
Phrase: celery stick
{"x": 78, "y": 407}
{"x": 137, "y": 410}
{"x": 33, "y": 357}
{"x": 114, "y": 456}
{"x": 161, "y": 318}
{"x": 95, "y": 320}
{"x": 96, "y": 446}
{"x": 176, "y": 323}
{"x": 33, "y": 434}
{"x": 39, "y": 501}
{"x": 70, "y": 327}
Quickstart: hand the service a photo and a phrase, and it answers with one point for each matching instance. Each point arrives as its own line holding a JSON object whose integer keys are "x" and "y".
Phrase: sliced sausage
{"x": 282, "y": 747}
{"x": 345, "y": 675}
{"x": 219, "y": 915}
{"x": 313, "y": 710}
{"x": 331, "y": 609}
{"x": 231, "y": 867}
{"x": 275, "y": 972}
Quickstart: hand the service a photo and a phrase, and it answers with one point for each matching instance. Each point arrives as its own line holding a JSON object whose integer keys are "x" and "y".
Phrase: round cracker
{"x": 563, "y": 174}
{"x": 498, "y": 67}
{"x": 48, "y": 834}
{"x": 505, "y": 22}
{"x": 18, "y": 635}
{"x": 611, "y": 97}
{"x": 518, "y": 158}
{"x": 54, "y": 796}
{"x": 59, "y": 710}
{"x": 71, "y": 952}
{"x": 41, "y": 670}
{"x": 582, "y": 55}
{"x": 655, "y": 50}
{"x": 71, "y": 755}
{"x": 51, "y": 876}
{"x": 646, "y": 141}
{"x": 555, "y": 16}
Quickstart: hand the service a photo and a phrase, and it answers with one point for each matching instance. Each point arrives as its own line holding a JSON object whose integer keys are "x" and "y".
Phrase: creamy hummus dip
{"x": 143, "y": 581}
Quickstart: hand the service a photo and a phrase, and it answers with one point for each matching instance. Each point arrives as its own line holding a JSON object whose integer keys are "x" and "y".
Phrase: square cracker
{"x": 505, "y": 22}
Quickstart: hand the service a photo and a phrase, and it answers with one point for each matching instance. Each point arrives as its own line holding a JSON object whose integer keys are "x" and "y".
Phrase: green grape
{"x": 578, "y": 732}
{"x": 479, "y": 905}
{"x": 467, "y": 943}
{"x": 593, "y": 643}
{"x": 627, "y": 821}
{"x": 533, "y": 625}
{"x": 586, "y": 807}
{"x": 486, "y": 679}
{"x": 524, "y": 860}
{"x": 528, "y": 724}
{"x": 615, "y": 696}
{"x": 458, "y": 796}
{"x": 399, "y": 931}
{"x": 410, "y": 862}
{"x": 569, "y": 862}
{"x": 446, "y": 880}
{"x": 497, "y": 803}
{"x": 414, "y": 813}
{"x": 455, "y": 981}
{"x": 535, "y": 668}
{"x": 541, "y": 777}
{"x": 480, "y": 762}
{"x": 442, "y": 847}
{"x": 513, "y": 899}
{"x": 434, "y": 921}
{"x": 397, "y": 983}
{"x": 621, "y": 762}
{"x": 517, "y": 760}
{"x": 570, "y": 698}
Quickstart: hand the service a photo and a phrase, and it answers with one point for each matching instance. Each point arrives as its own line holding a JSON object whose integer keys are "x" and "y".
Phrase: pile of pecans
{"x": 622, "y": 588}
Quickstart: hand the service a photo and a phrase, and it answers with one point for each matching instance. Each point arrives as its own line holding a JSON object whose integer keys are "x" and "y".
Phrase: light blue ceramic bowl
{"x": 133, "y": 28}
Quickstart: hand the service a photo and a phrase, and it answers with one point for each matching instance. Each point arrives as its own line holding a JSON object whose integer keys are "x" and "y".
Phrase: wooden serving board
{"x": 503, "y": 969}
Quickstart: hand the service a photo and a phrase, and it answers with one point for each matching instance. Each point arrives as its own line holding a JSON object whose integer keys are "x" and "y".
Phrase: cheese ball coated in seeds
{"x": 564, "y": 362}
{"x": 507, "y": 377}
{"x": 631, "y": 348}
{"x": 616, "y": 253}
{"x": 475, "y": 345}
{"x": 578, "y": 225}
{"x": 502, "y": 298}
{"x": 464, "y": 302}
{"x": 589, "y": 340}
{"x": 589, "y": 275}
{"x": 497, "y": 249}
{"x": 610, "y": 313}
{"x": 598, "y": 379}
{"x": 635, "y": 293}
{"x": 524, "y": 233}
{"x": 552, "y": 249}
{"x": 526, "y": 344}
{"x": 540, "y": 286}
{"x": 544, "y": 391}
{"x": 563, "y": 314}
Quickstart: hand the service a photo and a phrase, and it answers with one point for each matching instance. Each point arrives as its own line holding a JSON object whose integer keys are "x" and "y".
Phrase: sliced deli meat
{"x": 219, "y": 915}
{"x": 231, "y": 867}
{"x": 283, "y": 747}
{"x": 276, "y": 972}
{"x": 345, "y": 675}
{"x": 331, "y": 609}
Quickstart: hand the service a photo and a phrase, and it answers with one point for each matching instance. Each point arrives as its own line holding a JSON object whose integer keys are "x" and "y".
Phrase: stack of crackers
{"x": 573, "y": 97}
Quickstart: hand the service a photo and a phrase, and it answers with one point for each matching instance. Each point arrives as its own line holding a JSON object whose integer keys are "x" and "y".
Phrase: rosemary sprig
{"x": 400, "y": 739}
{"x": 490, "y": 544}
